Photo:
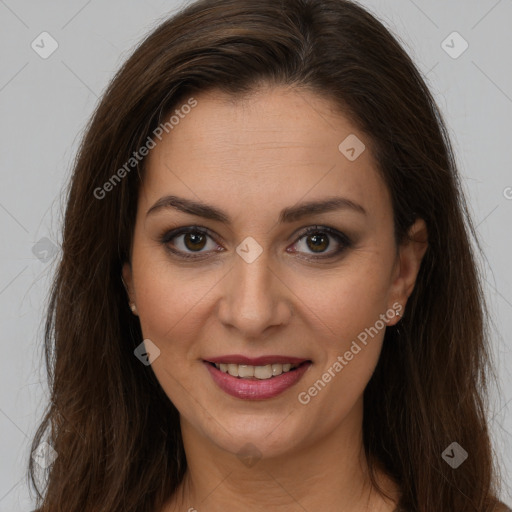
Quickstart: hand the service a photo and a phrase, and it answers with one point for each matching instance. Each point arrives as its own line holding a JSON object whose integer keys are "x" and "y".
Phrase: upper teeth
{"x": 258, "y": 372}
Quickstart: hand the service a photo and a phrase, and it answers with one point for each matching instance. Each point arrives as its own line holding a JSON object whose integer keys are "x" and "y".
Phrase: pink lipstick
{"x": 254, "y": 388}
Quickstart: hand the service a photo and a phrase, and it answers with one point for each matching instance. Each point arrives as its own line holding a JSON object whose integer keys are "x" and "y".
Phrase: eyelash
{"x": 341, "y": 238}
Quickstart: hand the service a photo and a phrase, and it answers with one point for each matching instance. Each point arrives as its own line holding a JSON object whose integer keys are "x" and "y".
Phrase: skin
{"x": 251, "y": 158}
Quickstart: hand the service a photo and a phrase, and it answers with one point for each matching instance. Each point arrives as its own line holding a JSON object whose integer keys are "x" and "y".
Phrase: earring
{"x": 133, "y": 307}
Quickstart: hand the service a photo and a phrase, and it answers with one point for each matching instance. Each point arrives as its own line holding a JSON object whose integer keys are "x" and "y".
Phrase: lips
{"x": 260, "y": 385}
{"x": 255, "y": 361}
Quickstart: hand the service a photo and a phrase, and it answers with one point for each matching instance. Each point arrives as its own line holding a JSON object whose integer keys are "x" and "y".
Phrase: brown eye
{"x": 317, "y": 239}
{"x": 317, "y": 242}
{"x": 194, "y": 241}
{"x": 189, "y": 242}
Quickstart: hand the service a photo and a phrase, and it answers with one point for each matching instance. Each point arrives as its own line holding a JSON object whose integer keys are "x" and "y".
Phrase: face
{"x": 241, "y": 267}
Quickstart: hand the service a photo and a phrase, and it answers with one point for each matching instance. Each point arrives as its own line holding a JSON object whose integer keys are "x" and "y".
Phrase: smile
{"x": 252, "y": 382}
{"x": 246, "y": 371}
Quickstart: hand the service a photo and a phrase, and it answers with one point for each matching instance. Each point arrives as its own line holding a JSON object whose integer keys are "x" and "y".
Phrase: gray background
{"x": 45, "y": 103}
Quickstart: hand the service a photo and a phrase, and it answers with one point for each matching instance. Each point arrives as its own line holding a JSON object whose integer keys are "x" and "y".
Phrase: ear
{"x": 410, "y": 256}
{"x": 128, "y": 281}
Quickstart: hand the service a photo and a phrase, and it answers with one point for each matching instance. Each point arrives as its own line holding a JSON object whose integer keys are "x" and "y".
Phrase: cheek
{"x": 344, "y": 302}
{"x": 345, "y": 309}
{"x": 168, "y": 296}
{"x": 348, "y": 312}
{"x": 170, "y": 303}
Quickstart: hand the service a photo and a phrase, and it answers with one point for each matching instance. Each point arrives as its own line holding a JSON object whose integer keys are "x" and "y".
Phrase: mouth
{"x": 256, "y": 381}
{"x": 251, "y": 372}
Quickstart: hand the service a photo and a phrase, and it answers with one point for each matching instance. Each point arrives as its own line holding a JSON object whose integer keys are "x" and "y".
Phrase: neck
{"x": 329, "y": 474}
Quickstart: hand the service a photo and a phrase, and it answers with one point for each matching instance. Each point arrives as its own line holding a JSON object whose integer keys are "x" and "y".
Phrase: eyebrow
{"x": 287, "y": 215}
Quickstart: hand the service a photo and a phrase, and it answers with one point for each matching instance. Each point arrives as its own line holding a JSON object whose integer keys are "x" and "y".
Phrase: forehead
{"x": 277, "y": 145}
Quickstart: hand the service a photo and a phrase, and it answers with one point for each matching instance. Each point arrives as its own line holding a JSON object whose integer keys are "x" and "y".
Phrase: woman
{"x": 267, "y": 295}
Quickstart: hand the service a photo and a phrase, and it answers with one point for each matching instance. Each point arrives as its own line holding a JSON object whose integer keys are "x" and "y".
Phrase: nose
{"x": 254, "y": 299}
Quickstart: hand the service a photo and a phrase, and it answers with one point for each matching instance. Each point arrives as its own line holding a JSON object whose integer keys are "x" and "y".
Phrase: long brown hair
{"x": 116, "y": 433}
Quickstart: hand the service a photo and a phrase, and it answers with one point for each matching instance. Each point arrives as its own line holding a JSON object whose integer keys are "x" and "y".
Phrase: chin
{"x": 259, "y": 437}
